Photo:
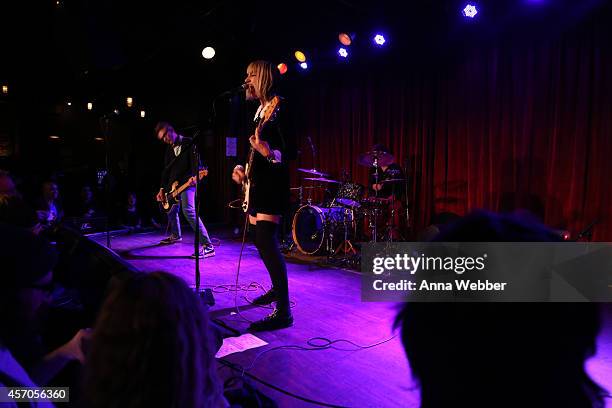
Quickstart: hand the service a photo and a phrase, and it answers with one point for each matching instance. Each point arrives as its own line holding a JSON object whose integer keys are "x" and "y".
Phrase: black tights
{"x": 267, "y": 245}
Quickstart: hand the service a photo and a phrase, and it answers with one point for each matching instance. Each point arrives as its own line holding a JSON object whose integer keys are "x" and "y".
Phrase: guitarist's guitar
{"x": 171, "y": 198}
{"x": 268, "y": 114}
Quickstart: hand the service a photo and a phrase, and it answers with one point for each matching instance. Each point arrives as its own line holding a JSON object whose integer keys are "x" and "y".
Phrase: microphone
{"x": 235, "y": 90}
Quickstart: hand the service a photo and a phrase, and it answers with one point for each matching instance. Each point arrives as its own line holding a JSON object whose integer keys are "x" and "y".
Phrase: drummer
{"x": 390, "y": 181}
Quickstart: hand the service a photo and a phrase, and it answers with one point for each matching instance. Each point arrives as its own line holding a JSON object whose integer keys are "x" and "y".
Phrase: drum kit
{"x": 331, "y": 226}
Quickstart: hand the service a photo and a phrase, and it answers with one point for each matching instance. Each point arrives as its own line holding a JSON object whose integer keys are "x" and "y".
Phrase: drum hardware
{"x": 322, "y": 180}
{"x": 391, "y": 225}
{"x": 300, "y": 191}
{"x": 381, "y": 158}
{"x": 376, "y": 159}
{"x": 314, "y": 172}
{"x": 314, "y": 228}
{"x": 406, "y": 169}
{"x": 346, "y": 246}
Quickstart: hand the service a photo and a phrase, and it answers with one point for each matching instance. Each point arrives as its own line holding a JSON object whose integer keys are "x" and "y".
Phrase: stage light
{"x": 89, "y": 106}
{"x": 208, "y": 52}
{"x": 99, "y": 139}
{"x": 470, "y": 11}
{"x": 142, "y": 114}
{"x": 5, "y": 89}
{"x": 304, "y": 65}
{"x": 342, "y": 52}
{"x": 129, "y": 101}
{"x": 54, "y": 137}
{"x": 345, "y": 39}
{"x": 69, "y": 103}
{"x": 300, "y": 56}
{"x": 379, "y": 39}
{"x": 282, "y": 68}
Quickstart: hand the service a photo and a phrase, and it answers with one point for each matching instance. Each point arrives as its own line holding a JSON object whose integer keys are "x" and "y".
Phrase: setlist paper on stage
{"x": 233, "y": 345}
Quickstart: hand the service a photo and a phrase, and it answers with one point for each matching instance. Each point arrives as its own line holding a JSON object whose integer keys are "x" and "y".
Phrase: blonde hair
{"x": 266, "y": 73}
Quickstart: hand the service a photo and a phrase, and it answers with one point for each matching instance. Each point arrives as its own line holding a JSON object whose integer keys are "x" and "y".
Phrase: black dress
{"x": 269, "y": 191}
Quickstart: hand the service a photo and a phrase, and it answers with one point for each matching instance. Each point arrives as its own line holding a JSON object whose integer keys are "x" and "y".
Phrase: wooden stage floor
{"x": 327, "y": 304}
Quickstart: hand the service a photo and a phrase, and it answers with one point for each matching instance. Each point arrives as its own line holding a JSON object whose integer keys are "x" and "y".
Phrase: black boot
{"x": 267, "y": 245}
{"x": 278, "y": 319}
{"x": 267, "y": 298}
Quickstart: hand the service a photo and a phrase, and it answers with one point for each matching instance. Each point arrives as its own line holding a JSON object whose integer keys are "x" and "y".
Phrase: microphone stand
{"x": 107, "y": 133}
{"x": 206, "y": 294}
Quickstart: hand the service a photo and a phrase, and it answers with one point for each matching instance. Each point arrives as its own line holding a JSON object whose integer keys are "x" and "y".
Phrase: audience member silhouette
{"x": 501, "y": 354}
{"x": 48, "y": 206}
{"x": 86, "y": 206}
{"x": 13, "y": 209}
{"x": 27, "y": 279}
{"x": 130, "y": 217}
{"x": 152, "y": 347}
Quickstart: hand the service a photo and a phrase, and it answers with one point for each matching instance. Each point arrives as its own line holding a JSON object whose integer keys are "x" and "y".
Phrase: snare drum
{"x": 313, "y": 226}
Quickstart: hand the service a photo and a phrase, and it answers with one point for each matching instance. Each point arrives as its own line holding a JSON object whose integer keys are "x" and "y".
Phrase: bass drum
{"x": 312, "y": 226}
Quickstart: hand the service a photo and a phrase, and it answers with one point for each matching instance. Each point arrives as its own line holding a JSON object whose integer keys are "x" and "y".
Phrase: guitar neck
{"x": 179, "y": 190}
{"x": 185, "y": 186}
{"x": 249, "y": 167}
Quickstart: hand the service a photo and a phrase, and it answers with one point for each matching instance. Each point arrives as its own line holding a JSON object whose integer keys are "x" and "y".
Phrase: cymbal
{"x": 393, "y": 180}
{"x": 382, "y": 158}
{"x": 322, "y": 180}
{"x": 314, "y": 172}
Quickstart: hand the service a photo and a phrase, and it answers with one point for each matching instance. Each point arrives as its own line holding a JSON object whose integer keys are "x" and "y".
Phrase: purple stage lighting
{"x": 379, "y": 39}
{"x": 342, "y": 52}
{"x": 470, "y": 11}
{"x": 304, "y": 65}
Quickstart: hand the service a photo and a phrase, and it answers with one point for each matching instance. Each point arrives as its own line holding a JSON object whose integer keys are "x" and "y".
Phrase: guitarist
{"x": 268, "y": 194}
{"x": 180, "y": 170}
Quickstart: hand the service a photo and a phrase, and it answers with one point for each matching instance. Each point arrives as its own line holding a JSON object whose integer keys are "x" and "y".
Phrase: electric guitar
{"x": 268, "y": 115}
{"x": 171, "y": 198}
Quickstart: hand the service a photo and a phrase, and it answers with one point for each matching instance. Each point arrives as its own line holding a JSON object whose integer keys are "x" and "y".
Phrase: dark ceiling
{"x": 89, "y": 49}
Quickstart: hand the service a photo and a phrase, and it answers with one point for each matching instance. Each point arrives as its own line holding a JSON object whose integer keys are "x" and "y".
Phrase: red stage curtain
{"x": 500, "y": 128}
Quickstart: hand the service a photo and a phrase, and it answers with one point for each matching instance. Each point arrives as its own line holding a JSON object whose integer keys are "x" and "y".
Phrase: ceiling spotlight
{"x": 208, "y": 52}
{"x": 142, "y": 114}
{"x": 470, "y": 11}
{"x": 304, "y": 65}
{"x": 282, "y": 68}
{"x": 379, "y": 39}
{"x": 342, "y": 52}
{"x": 129, "y": 101}
{"x": 300, "y": 56}
{"x": 89, "y": 106}
{"x": 345, "y": 39}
